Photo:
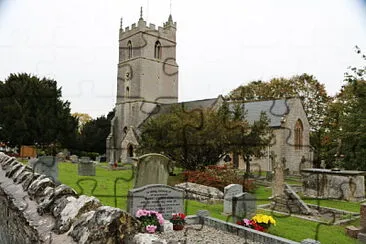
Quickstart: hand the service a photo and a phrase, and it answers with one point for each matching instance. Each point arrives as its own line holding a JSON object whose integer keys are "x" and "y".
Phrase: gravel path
{"x": 202, "y": 234}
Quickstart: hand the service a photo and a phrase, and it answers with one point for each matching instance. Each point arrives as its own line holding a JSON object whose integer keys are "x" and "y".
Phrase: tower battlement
{"x": 167, "y": 30}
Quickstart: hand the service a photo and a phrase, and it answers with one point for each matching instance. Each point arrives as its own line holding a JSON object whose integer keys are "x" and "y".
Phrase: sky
{"x": 220, "y": 44}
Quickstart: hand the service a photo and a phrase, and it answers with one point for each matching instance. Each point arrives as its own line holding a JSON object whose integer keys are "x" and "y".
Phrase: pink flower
{"x": 160, "y": 218}
{"x": 151, "y": 228}
{"x": 141, "y": 212}
{"x": 246, "y": 221}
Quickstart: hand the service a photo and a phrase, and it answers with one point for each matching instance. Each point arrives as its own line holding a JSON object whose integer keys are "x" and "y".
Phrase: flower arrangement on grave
{"x": 260, "y": 222}
{"x": 178, "y": 221}
{"x": 151, "y": 220}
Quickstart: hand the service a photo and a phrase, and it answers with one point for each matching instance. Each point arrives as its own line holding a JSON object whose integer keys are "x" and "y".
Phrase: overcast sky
{"x": 221, "y": 44}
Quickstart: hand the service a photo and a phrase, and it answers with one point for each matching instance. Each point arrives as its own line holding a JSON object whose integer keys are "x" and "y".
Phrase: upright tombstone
{"x": 152, "y": 168}
{"x": 244, "y": 206}
{"x": 46, "y": 165}
{"x": 229, "y": 192}
{"x": 86, "y": 167}
{"x": 74, "y": 159}
{"x": 362, "y": 235}
{"x": 161, "y": 198}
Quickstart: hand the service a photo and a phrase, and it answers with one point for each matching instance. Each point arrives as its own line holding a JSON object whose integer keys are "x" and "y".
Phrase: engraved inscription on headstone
{"x": 229, "y": 192}
{"x": 162, "y": 198}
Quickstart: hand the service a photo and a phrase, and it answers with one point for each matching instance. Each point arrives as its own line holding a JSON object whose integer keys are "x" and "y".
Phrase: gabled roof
{"x": 274, "y": 109}
{"x": 188, "y": 106}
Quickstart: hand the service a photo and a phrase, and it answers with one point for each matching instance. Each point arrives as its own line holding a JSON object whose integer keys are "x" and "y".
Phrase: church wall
{"x": 291, "y": 153}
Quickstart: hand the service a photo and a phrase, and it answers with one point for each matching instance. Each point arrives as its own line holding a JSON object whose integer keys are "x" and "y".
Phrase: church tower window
{"x": 298, "y": 134}
{"x": 158, "y": 50}
{"x": 127, "y": 91}
{"x": 129, "y": 48}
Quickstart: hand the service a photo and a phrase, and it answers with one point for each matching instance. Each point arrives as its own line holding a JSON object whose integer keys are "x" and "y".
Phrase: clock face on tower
{"x": 127, "y": 75}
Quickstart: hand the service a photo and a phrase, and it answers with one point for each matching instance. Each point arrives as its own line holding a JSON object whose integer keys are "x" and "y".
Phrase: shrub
{"x": 219, "y": 177}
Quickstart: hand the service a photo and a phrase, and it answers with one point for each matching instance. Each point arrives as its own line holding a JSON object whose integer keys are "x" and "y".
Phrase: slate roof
{"x": 274, "y": 109}
{"x": 188, "y": 106}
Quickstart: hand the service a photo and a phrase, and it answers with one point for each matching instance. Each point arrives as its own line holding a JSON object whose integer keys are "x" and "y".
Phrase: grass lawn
{"x": 106, "y": 182}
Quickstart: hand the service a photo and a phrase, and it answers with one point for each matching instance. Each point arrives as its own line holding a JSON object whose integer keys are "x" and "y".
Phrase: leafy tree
{"x": 93, "y": 134}
{"x": 33, "y": 113}
{"x": 199, "y": 137}
{"x": 83, "y": 118}
{"x": 346, "y": 123}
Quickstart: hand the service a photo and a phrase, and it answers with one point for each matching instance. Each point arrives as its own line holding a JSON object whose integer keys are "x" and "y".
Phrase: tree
{"x": 33, "y": 113}
{"x": 312, "y": 93}
{"x": 83, "y": 118}
{"x": 346, "y": 137}
{"x": 199, "y": 137}
{"x": 93, "y": 134}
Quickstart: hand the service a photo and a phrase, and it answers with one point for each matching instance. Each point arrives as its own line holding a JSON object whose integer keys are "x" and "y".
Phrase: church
{"x": 147, "y": 84}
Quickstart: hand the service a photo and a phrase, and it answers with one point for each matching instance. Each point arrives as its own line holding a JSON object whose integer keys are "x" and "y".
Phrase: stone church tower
{"x": 147, "y": 75}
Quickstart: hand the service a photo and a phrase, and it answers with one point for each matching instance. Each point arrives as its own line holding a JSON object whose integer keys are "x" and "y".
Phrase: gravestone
{"x": 74, "y": 159}
{"x": 46, "y": 165}
{"x": 152, "y": 168}
{"x": 244, "y": 206}
{"x": 161, "y": 198}
{"x": 229, "y": 192}
{"x": 86, "y": 167}
{"x": 362, "y": 235}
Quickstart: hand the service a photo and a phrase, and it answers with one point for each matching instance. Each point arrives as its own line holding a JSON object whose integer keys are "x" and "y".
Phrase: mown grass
{"x": 106, "y": 182}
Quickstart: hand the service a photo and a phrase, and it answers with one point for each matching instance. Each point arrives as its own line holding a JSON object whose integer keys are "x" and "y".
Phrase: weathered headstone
{"x": 86, "y": 167}
{"x": 229, "y": 192}
{"x": 152, "y": 168}
{"x": 244, "y": 206}
{"x": 161, "y": 198}
{"x": 46, "y": 165}
{"x": 362, "y": 235}
{"x": 74, "y": 159}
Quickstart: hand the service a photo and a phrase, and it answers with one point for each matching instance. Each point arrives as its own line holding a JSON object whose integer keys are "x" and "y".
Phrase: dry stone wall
{"x": 35, "y": 210}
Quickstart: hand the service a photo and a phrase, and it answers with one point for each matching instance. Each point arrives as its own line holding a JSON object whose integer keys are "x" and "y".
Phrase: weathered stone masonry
{"x": 35, "y": 210}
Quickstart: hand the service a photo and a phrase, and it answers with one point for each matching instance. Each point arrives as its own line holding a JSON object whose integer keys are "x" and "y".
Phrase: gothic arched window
{"x": 127, "y": 92}
{"x": 158, "y": 50}
{"x": 298, "y": 134}
{"x": 129, "y": 48}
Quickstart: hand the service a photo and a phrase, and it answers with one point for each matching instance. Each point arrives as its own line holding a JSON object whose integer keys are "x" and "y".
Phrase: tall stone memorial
{"x": 152, "y": 168}
{"x": 161, "y": 198}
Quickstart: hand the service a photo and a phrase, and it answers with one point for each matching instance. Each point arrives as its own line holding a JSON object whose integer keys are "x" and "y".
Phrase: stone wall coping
{"x": 251, "y": 234}
{"x": 331, "y": 172}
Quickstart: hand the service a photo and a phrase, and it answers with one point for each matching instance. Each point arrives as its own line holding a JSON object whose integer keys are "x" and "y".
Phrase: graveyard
{"x": 112, "y": 187}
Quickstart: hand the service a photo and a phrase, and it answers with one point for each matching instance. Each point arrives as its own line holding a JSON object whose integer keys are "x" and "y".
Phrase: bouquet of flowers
{"x": 151, "y": 220}
{"x": 260, "y": 222}
{"x": 178, "y": 219}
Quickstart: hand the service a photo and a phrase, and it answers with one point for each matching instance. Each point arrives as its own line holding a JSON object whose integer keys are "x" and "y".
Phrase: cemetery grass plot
{"x": 287, "y": 226}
